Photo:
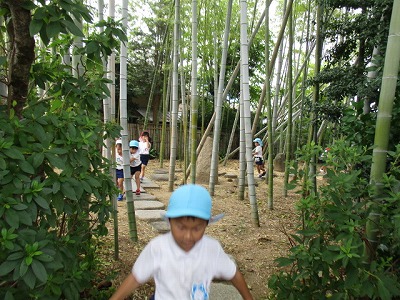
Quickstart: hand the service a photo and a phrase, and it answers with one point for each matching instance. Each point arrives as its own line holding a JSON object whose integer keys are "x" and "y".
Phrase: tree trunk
{"x": 382, "y": 130}
{"x": 184, "y": 120}
{"x": 174, "y": 106}
{"x": 289, "y": 127}
{"x": 165, "y": 102}
{"x": 218, "y": 106}
{"x": 194, "y": 101}
{"x": 244, "y": 58}
{"x": 270, "y": 177}
{"x": 124, "y": 124}
{"x": 311, "y": 167}
{"x": 21, "y": 55}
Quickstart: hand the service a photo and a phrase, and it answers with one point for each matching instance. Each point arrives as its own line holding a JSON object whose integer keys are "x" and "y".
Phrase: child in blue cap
{"x": 184, "y": 261}
{"x": 135, "y": 164}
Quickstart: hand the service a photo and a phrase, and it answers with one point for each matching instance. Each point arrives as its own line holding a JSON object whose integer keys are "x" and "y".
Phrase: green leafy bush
{"x": 327, "y": 258}
{"x": 54, "y": 196}
{"x": 55, "y": 186}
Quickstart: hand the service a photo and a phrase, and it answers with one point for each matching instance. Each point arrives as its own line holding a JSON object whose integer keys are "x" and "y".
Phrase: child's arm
{"x": 240, "y": 284}
{"x": 126, "y": 288}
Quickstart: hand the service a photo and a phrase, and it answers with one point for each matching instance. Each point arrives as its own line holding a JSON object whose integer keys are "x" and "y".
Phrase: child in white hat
{"x": 184, "y": 261}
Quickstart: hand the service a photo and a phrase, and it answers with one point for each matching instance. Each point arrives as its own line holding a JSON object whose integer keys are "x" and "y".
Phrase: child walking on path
{"x": 144, "y": 150}
{"x": 135, "y": 164}
{"x": 258, "y": 157}
{"x": 119, "y": 169}
{"x": 184, "y": 261}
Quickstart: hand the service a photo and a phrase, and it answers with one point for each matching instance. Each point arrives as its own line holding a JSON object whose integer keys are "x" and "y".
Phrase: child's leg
{"x": 142, "y": 171}
{"x": 263, "y": 169}
{"x": 137, "y": 180}
{"x": 258, "y": 169}
{"x": 120, "y": 184}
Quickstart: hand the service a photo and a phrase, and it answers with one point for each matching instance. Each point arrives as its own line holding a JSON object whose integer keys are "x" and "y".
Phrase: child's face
{"x": 187, "y": 231}
{"x": 133, "y": 150}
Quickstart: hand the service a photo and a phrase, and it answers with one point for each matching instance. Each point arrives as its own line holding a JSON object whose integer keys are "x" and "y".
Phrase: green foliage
{"x": 55, "y": 185}
{"x": 142, "y": 64}
{"x": 56, "y": 17}
{"x": 353, "y": 35}
{"x": 153, "y": 153}
{"x": 54, "y": 192}
{"x": 327, "y": 258}
{"x": 359, "y": 128}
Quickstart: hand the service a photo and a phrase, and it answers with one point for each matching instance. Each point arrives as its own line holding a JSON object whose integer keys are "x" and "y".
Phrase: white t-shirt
{"x": 144, "y": 147}
{"x": 120, "y": 161}
{"x": 179, "y": 274}
{"x": 257, "y": 151}
{"x": 137, "y": 161}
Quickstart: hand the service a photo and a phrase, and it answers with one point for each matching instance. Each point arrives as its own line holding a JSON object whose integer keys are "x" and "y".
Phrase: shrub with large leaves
{"x": 55, "y": 186}
{"x": 327, "y": 258}
{"x": 55, "y": 189}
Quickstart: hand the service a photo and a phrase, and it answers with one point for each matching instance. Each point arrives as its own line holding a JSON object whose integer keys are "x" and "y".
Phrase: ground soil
{"x": 253, "y": 247}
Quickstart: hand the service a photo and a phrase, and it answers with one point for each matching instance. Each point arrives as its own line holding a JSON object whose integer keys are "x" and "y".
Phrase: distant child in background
{"x": 119, "y": 169}
{"x": 258, "y": 157}
{"x": 144, "y": 150}
{"x": 135, "y": 163}
{"x": 322, "y": 159}
{"x": 184, "y": 261}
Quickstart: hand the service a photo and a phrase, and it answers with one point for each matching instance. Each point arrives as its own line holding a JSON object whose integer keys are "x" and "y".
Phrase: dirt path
{"x": 254, "y": 248}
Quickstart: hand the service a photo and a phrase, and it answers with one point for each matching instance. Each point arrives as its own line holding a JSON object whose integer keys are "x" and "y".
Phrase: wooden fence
{"x": 155, "y": 134}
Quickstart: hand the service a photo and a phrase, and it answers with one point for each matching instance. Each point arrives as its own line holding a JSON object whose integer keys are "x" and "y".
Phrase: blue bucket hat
{"x": 134, "y": 143}
{"x": 191, "y": 200}
{"x": 258, "y": 140}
